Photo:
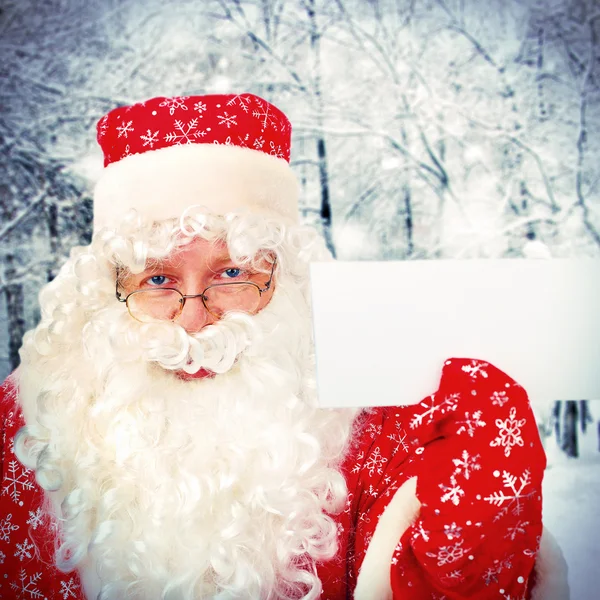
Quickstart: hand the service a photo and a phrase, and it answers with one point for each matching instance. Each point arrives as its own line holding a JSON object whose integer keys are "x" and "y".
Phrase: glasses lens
{"x": 154, "y": 305}
{"x": 221, "y": 299}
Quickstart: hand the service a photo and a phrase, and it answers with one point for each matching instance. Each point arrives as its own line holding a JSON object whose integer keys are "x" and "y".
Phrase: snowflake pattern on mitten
{"x": 479, "y": 483}
{"x": 475, "y": 451}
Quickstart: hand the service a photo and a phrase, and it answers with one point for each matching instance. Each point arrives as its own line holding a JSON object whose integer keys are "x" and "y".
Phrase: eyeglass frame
{"x": 184, "y": 297}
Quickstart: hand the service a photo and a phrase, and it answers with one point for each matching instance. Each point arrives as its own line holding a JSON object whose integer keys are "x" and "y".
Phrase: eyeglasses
{"x": 166, "y": 304}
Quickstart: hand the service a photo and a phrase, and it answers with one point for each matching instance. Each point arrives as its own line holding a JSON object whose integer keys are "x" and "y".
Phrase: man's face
{"x": 193, "y": 270}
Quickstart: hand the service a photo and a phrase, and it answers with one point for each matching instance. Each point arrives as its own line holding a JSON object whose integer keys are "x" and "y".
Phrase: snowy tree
{"x": 562, "y": 47}
{"x": 60, "y": 59}
{"x": 421, "y": 128}
{"x": 569, "y": 419}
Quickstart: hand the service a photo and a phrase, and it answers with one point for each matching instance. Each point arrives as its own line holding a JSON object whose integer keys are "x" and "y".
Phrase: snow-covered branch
{"x": 23, "y": 215}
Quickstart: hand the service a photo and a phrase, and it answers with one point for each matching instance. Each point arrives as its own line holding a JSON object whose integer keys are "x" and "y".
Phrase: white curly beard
{"x": 215, "y": 488}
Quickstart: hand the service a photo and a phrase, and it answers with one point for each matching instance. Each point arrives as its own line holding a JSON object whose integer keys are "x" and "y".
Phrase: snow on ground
{"x": 571, "y": 511}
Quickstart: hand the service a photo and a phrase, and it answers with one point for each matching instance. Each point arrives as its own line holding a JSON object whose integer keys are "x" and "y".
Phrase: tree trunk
{"x": 542, "y": 112}
{"x": 569, "y": 440}
{"x": 52, "y": 221}
{"x": 586, "y": 415}
{"x": 325, "y": 201}
{"x": 556, "y": 421}
{"x": 14, "y": 295}
{"x": 409, "y": 221}
{"x": 315, "y": 39}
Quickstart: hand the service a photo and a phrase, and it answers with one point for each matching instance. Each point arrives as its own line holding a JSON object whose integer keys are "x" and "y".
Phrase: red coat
{"x": 474, "y": 449}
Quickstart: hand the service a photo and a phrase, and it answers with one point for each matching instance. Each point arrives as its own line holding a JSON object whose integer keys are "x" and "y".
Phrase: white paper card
{"x": 384, "y": 329}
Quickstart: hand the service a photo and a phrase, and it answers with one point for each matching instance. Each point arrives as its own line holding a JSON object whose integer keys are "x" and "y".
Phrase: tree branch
{"x": 23, "y": 215}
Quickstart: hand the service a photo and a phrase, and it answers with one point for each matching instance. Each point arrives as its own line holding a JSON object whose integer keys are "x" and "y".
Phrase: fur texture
{"x": 217, "y": 488}
{"x": 373, "y": 581}
{"x": 261, "y": 184}
{"x": 551, "y": 571}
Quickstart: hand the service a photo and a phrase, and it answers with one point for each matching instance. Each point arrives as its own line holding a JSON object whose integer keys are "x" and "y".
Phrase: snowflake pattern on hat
{"x": 243, "y": 120}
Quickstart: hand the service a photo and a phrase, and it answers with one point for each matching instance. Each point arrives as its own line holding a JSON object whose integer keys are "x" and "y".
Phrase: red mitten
{"x": 479, "y": 481}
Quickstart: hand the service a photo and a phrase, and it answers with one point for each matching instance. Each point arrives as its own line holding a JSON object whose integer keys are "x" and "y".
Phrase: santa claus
{"x": 162, "y": 437}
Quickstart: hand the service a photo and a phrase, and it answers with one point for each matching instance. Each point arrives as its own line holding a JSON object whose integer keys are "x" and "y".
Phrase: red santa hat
{"x": 228, "y": 153}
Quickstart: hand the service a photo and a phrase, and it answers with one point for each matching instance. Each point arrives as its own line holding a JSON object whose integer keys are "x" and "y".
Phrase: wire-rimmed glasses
{"x": 166, "y": 304}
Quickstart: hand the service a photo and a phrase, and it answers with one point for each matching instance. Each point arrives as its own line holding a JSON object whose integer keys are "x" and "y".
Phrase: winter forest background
{"x": 423, "y": 129}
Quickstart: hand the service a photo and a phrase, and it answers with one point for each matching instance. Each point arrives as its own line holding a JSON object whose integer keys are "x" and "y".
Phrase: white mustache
{"x": 215, "y": 348}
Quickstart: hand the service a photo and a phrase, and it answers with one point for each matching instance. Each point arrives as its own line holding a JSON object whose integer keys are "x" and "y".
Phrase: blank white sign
{"x": 384, "y": 329}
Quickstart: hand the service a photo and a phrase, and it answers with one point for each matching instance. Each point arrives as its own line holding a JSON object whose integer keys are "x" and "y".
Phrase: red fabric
{"x": 234, "y": 120}
{"x": 479, "y": 462}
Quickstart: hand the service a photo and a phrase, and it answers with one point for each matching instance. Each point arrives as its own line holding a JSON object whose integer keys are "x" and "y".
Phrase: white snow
{"x": 571, "y": 509}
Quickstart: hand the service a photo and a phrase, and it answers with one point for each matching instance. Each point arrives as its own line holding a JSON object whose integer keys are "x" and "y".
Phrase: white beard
{"x": 215, "y": 488}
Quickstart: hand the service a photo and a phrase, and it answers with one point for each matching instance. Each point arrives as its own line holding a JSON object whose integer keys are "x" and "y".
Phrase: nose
{"x": 194, "y": 316}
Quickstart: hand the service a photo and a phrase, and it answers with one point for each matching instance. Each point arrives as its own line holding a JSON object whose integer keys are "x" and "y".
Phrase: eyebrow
{"x": 219, "y": 260}
{"x": 212, "y": 263}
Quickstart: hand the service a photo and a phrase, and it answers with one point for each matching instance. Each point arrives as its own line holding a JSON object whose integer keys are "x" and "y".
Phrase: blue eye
{"x": 157, "y": 280}
{"x": 232, "y": 273}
